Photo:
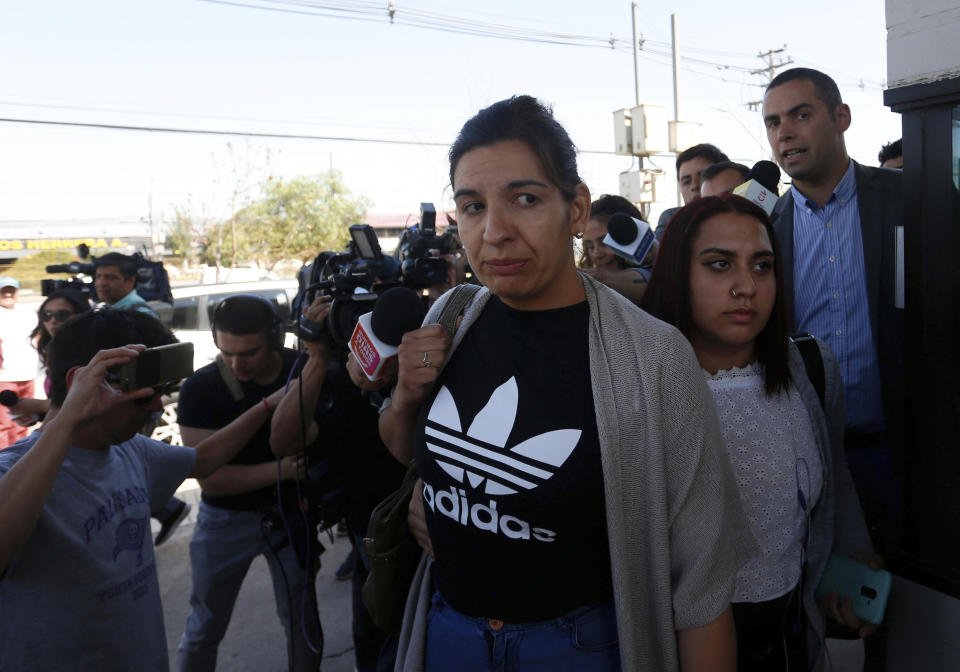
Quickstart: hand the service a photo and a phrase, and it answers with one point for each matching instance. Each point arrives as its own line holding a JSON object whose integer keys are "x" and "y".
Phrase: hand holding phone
{"x": 868, "y": 589}
{"x": 155, "y": 367}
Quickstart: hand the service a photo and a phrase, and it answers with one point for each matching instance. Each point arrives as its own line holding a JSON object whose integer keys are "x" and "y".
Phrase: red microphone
{"x": 377, "y": 336}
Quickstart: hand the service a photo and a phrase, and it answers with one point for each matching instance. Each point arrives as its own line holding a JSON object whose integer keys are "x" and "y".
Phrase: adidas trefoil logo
{"x": 478, "y": 457}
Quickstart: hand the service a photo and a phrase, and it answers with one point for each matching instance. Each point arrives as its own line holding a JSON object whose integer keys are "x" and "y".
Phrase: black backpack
{"x": 813, "y": 363}
{"x": 153, "y": 283}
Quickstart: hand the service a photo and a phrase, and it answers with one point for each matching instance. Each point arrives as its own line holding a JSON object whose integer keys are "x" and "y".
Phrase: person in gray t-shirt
{"x": 78, "y": 583}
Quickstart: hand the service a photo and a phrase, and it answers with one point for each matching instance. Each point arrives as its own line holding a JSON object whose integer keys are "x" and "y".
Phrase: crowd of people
{"x": 625, "y": 463}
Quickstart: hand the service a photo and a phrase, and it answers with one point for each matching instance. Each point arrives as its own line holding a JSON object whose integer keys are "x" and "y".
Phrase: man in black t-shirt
{"x": 237, "y": 519}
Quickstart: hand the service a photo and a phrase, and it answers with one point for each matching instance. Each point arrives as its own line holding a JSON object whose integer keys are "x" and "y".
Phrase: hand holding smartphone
{"x": 155, "y": 367}
{"x": 868, "y": 589}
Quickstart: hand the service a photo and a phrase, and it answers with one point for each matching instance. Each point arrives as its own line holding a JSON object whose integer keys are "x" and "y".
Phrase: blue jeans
{"x": 584, "y": 639}
{"x": 224, "y": 544}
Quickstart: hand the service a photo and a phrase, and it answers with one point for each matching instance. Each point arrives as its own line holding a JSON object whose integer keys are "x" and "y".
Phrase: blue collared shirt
{"x": 135, "y": 301}
{"x": 830, "y": 295}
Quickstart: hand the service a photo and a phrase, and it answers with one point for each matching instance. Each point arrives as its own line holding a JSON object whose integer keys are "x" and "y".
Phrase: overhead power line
{"x": 251, "y": 134}
{"x": 410, "y": 16}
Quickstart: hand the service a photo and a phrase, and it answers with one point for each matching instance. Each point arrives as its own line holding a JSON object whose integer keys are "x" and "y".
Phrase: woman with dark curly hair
{"x": 56, "y": 309}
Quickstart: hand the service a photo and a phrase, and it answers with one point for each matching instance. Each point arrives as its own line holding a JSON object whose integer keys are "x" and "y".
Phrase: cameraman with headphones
{"x": 237, "y": 519}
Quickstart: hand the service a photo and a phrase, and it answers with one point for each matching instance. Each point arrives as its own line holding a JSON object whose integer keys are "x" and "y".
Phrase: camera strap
{"x": 226, "y": 373}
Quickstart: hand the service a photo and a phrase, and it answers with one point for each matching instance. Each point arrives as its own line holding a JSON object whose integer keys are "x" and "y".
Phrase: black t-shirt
{"x": 205, "y": 402}
{"x": 513, "y": 485}
{"x": 349, "y": 431}
{"x": 348, "y": 435}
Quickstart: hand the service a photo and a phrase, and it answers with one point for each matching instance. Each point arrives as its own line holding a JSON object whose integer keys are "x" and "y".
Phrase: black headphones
{"x": 274, "y": 327}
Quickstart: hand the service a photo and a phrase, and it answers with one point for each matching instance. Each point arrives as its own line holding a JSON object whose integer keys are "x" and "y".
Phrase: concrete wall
{"x": 923, "y": 41}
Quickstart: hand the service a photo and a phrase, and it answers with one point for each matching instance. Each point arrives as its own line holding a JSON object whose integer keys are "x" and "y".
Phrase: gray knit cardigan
{"x": 675, "y": 522}
{"x": 836, "y": 522}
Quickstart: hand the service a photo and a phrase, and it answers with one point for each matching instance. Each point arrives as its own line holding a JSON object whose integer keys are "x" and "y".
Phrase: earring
{"x": 734, "y": 292}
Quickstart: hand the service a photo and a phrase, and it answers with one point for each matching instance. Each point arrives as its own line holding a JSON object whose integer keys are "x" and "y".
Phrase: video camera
{"x": 152, "y": 281}
{"x": 353, "y": 279}
{"x": 356, "y": 278}
{"x": 77, "y": 283}
{"x": 420, "y": 248}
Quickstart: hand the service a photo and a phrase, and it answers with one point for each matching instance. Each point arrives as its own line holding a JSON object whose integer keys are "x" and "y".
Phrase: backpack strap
{"x": 455, "y": 305}
{"x": 226, "y": 373}
{"x": 812, "y": 362}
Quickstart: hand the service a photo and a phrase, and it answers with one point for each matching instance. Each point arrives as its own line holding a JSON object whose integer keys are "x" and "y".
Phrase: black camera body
{"x": 152, "y": 281}
{"x": 420, "y": 248}
{"x": 354, "y": 279}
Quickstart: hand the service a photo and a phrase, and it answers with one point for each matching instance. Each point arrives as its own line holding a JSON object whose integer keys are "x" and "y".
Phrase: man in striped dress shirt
{"x": 838, "y": 227}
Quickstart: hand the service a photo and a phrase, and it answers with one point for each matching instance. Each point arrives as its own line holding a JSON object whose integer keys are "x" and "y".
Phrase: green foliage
{"x": 183, "y": 233}
{"x": 294, "y": 219}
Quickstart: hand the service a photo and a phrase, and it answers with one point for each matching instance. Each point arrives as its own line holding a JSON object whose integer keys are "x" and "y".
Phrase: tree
{"x": 296, "y": 219}
{"x": 185, "y": 231}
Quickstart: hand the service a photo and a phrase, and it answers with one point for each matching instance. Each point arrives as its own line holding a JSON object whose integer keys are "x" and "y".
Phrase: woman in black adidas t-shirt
{"x": 506, "y": 438}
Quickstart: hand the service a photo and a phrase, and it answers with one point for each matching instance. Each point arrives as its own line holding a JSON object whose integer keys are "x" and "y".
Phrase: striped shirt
{"x": 830, "y": 295}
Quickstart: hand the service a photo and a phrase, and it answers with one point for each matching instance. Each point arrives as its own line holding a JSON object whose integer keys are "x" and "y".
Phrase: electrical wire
{"x": 252, "y": 134}
{"x": 216, "y": 117}
{"x": 377, "y": 12}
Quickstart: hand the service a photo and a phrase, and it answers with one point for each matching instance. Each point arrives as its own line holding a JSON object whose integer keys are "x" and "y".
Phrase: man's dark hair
{"x": 891, "y": 150}
{"x": 126, "y": 264}
{"x": 715, "y": 169}
{"x": 710, "y": 152}
{"x": 83, "y": 336}
{"x": 610, "y": 204}
{"x": 526, "y": 119}
{"x": 668, "y": 294}
{"x": 826, "y": 89}
{"x": 244, "y": 314}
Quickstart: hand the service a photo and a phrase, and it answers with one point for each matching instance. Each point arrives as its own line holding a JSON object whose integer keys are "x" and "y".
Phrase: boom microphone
{"x": 761, "y": 185}
{"x": 377, "y": 335}
{"x": 629, "y": 237}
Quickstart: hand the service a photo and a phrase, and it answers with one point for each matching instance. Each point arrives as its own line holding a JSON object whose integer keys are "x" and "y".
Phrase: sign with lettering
{"x": 39, "y": 244}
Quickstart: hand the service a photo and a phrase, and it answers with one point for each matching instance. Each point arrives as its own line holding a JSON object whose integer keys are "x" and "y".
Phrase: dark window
{"x": 184, "y": 313}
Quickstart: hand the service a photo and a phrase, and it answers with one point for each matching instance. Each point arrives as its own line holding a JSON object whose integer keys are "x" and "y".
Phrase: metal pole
{"x": 636, "y": 55}
{"x": 676, "y": 69}
{"x": 636, "y": 68}
{"x": 676, "y": 86}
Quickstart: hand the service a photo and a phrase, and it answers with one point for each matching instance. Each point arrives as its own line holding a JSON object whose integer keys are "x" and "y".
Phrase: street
{"x": 254, "y": 641}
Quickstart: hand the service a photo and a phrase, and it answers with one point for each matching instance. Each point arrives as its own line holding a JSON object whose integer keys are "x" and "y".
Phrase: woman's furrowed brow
{"x": 516, "y": 184}
{"x": 716, "y": 250}
{"x": 464, "y": 192}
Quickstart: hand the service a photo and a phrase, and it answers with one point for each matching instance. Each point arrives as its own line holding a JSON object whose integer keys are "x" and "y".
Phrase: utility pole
{"x": 768, "y": 72}
{"x": 636, "y": 54}
{"x": 636, "y": 64}
{"x": 676, "y": 84}
{"x": 676, "y": 67}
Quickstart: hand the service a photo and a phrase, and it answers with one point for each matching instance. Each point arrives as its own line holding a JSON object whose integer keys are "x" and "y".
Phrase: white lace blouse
{"x": 773, "y": 452}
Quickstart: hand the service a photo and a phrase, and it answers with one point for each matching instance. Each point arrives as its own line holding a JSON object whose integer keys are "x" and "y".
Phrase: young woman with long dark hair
{"x": 716, "y": 278}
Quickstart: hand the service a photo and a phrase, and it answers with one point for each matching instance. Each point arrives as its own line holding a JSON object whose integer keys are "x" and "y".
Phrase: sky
{"x": 341, "y": 69}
